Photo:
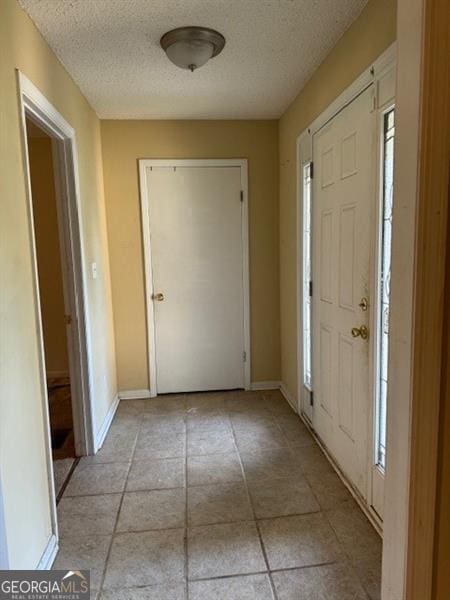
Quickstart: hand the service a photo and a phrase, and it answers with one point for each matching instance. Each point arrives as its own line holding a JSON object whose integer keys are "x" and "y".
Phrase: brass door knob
{"x": 159, "y": 297}
{"x": 360, "y": 331}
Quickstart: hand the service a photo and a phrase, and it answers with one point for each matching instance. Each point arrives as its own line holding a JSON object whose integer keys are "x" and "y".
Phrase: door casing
{"x": 35, "y": 106}
{"x": 381, "y": 74}
{"x": 145, "y": 164}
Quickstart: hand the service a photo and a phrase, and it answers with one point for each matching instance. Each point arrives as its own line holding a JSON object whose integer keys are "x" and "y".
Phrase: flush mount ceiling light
{"x": 192, "y": 47}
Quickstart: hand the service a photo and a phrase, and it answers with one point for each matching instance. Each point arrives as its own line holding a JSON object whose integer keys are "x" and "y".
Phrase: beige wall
{"x": 363, "y": 42}
{"x": 48, "y": 254}
{"x": 124, "y": 142}
{"x": 22, "y": 444}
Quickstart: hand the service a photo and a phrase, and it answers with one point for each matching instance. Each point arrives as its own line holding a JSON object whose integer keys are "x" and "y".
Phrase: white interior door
{"x": 343, "y": 194}
{"x": 195, "y": 221}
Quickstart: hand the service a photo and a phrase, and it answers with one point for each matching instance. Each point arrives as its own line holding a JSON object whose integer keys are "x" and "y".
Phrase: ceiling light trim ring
{"x": 194, "y": 33}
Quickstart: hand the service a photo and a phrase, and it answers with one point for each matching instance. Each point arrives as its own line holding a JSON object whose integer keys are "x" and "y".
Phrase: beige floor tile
{"x": 242, "y": 422}
{"x": 126, "y": 423}
{"x": 61, "y": 469}
{"x": 276, "y": 403}
{"x": 156, "y": 509}
{"x": 201, "y": 422}
{"x": 311, "y": 459}
{"x": 368, "y": 571}
{"x": 210, "y": 442}
{"x": 160, "y": 445}
{"x": 355, "y": 533}
{"x": 287, "y": 475}
{"x": 215, "y": 468}
{"x": 299, "y": 541}
{"x": 273, "y": 394}
{"x": 270, "y": 464}
{"x": 245, "y": 587}
{"x": 166, "y": 404}
{"x": 282, "y": 497}
{"x": 118, "y": 447}
{"x": 218, "y": 503}
{"x": 164, "y": 591}
{"x": 260, "y": 438}
{"x": 170, "y": 424}
{"x": 251, "y": 409}
{"x": 145, "y": 558}
{"x": 83, "y": 515}
{"x": 85, "y": 552}
{"x": 329, "y": 489}
{"x": 205, "y": 402}
{"x": 327, "y": 582}
{"x": 97, "y": 479}
{"x": 131, "y": 407}
{"x": 295, "y": 431}
{"x": 156, "y": 474}
{"x": 361, "y": 544}
{"x": 225, "y": 549}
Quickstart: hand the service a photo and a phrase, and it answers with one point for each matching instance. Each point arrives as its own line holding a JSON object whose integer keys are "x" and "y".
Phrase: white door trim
{"x": 144, "y": 164}
{"x": 35, "y": 106}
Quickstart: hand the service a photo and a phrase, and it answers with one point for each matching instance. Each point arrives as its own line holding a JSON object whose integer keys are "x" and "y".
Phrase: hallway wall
{"x": 363, "y": 42}
{"x": 124, "y": 142}
{"x": 22, "y": 442}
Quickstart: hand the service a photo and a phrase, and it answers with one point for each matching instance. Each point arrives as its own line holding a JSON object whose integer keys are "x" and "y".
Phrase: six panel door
{"x": 343, "y": 193}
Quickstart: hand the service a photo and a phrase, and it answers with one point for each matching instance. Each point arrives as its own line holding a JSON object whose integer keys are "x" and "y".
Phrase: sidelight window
{"x": 385, "y": 246}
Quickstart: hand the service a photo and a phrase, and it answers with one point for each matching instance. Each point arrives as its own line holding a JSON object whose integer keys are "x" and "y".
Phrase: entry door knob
{"x": 159, "y": 297}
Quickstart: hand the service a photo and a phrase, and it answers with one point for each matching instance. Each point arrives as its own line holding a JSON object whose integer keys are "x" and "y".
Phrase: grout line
{"x": 108, "y": 554}
{"x": 225, "y": 577}
{"x": 67, "y": 480}
{"x": 185, "y": 539}
{"x": 272, "y": 571}
{"x": 263, "y": 549}
{"x": 118, "y": 532}
{"x": 349, "y": 559}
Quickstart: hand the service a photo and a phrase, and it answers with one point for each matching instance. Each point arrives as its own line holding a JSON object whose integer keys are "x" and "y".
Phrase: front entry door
{"x": 195, "y": 220}
{"x": 343, "y": 195}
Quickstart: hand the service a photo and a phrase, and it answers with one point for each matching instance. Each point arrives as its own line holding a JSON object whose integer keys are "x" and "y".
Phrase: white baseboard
{"x": 49, "y": 555}
{"x": 57, "y": 374}
{"x": 101, "y": 434}
{"x": 289, "y": 397}
{"x": 134, "y": 394}
{"x": 265, "y": 385}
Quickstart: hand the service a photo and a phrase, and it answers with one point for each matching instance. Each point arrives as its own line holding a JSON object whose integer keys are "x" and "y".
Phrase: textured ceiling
{"x": 111, "y": 49}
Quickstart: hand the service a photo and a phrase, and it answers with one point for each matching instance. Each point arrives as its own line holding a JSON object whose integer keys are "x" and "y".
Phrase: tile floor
{"x": 215, "y": 496}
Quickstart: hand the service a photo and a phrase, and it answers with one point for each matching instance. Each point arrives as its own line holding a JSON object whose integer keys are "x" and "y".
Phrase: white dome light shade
{"x": 190, "y": 54}
{"x": 192, "y": 47}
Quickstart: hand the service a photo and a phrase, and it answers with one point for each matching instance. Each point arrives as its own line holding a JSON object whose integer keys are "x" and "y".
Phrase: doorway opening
{"x": 55, "y": 317}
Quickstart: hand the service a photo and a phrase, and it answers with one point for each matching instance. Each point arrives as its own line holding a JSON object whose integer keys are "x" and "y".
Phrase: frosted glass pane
{"x": 385, "y": 278}
{"x": 307, "y": 377}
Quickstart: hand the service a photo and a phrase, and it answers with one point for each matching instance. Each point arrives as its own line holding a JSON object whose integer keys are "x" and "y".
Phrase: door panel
{"x": 343, "y": 193}
{"x": 197, "y": 264}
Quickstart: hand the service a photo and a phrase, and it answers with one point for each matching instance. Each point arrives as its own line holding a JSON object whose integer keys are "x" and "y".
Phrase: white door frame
{"x": 377, "y": 75}
{"x": 145, "y": 164}
{"x": 35, "y": 106}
